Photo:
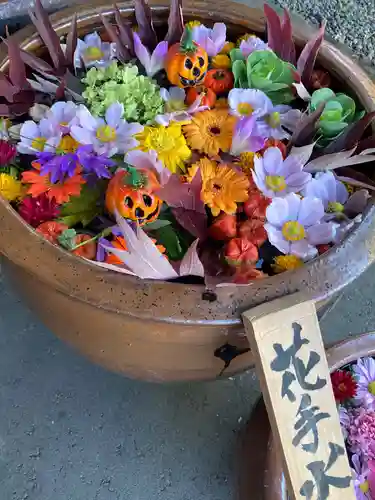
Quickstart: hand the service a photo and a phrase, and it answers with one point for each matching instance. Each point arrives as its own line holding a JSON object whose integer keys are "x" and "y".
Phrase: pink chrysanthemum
{"x": 364, "y": 371}
{"x": 361, "y": 432}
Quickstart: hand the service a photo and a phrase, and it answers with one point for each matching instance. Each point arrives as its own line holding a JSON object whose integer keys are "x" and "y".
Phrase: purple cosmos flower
{"x": 94, "y": 164}
{"x": 365, "y": 375}
{"x": 246, "y": 137}
{"x": 151, "y": 62}
{"x": 252, "y": 44}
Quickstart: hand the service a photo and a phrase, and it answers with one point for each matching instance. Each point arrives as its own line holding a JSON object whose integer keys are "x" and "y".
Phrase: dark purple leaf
{"x": 126, "y": 33}
{"x": 17, "y": 70}
{"x": 71, "y": 42}
{"x": 288, "y": 52}
{"x": 184, "y": 195}
{"x": 356, "y": 203}
{"x": 41, "y": 21}
{"x": 122, "y": 52}
{"x": 349, "y": 172}
{"x": 26, "y": 96}
{"x": 306, "y": 128}
{"x": 175, "y": 22}
{"x": 12, "y": 110}
{"x": 60, "y": 91}
{"x": 364, "y": 144}
{"x": 35, "y": 62}
{"x": 146, "y": 30}
{"x": 274, "y": 32}
{"x": 306, "y": 60}
{"x": 351, "y": 135}
{"x": 7, "y": 90}
{"x": 194, "y": 222}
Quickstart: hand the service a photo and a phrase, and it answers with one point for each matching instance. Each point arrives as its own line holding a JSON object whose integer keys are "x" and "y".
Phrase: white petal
{"x": 294, "y": 203}
{"x": 342, "y": 194}
{"x": 82, "y": 135}
{"x": 273, "y": 162}
{"x": 86, "y": 119}
{"x": 321, "y": 233}
{"x": 165, "y": 95}
{"x": 277, "y": 239}
{"x": 303, "y": 249}
{"x": 57, "y": 111}
{"x": 278, "y": 211}
{"x": 311, "y": 211}
{"x": 114, "y": 113}
{"x": 164, "y": 120}
{"x": 93, "y": 40}
{"x": 298, "y": 181}
{"x": 29, "y": 131}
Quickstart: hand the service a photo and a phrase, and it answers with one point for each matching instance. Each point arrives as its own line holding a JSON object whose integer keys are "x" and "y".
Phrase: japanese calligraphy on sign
{"x": 285, "y": 338}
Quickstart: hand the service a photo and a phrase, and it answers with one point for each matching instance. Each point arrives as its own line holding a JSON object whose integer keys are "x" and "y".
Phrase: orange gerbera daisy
{"x": 210, "y": 131}
{"x": 61, "y": 191}
{"x": 222, "y": 186}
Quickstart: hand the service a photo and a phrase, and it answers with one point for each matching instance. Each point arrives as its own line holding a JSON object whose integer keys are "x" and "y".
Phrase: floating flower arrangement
{"x": 196, "y": 155}
{"x": 354, "y": 390}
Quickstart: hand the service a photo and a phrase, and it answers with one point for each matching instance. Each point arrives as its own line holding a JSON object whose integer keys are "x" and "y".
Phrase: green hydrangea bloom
{"x": 263, "y": 70}
{"x": 139, "y": 94}
{"x": 339, "y": 112}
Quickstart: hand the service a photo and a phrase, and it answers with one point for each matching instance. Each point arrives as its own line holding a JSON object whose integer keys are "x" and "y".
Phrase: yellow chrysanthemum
{"x": 227, "y": 48}
{"x": 10, "y": 188}
{"x": 222, "y": 186}
{"x": 286, "y": 263}
{"x": 244, "y": 38}
{"x": 210, "y": 131}
{"x": 246, "y": 162}
{"x": 221, "y": 103}
{"x": 169, "y": 143}
{"x": 193, "y": 24}
{"x": 221, "y": 61}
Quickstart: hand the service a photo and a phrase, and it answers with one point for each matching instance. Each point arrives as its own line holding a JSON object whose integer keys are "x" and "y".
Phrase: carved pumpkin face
{"x": 134, "y": 202}
{"x": 187, "y": 62}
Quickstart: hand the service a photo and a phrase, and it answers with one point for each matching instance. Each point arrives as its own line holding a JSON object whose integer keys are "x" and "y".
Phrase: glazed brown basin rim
{"x": 179, "y": 303}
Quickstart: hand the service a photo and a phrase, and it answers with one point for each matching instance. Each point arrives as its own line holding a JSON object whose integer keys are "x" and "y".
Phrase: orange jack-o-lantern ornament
{"x": 187, "y": 62}
{"x": 130, "y": 192}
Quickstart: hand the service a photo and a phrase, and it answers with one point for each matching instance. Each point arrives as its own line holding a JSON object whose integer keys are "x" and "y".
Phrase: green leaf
{"x": 82, "y": 209}
{"x": 168, "y": 237}
{"x": 236, "y": 55}
{"x": 239, "y": 73}
{"x": 157, "y": 224}
{"x": 348, "y": 106}
{"x": 67, "y": 239}
{"x": 319, "y": 96}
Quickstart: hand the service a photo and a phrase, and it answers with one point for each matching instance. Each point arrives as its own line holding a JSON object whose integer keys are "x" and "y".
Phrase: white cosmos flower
{"x": 331, "y": 191}
{"x": 62, "y": 116}
{"x": 37, "y": 137}
{"x": 294, "y": 225}
{"x": 249, "y": 102}
{"x": 175, "y": 107}
{"x": 279, "y": 121}
{"x": 92, "y": 51}
{"x": 108, "y": 136}
{"x": 211, "y": 40}
{"x": 276, "y": 177}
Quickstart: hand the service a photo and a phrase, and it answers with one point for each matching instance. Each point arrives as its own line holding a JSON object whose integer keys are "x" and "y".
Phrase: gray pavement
{"x": 72, "y": 431}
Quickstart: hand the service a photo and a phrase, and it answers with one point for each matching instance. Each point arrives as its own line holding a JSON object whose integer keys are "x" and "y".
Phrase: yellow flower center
{"x": 64, "y": 124}
{"x": 38, "y": 143}
{"x": 246, "y": 161}
{"x": 273, "y": 119}
{"x": 245, "y": 109}
{"x": 93, "y": 54}
{"x": 193, "y": 24}
{"x": 335, "y": 206}
{"x": 364, "y": 487}
{"x": 162, "y": 141}
{"x": 371, "y": 387}
{"x": 276, "y": 182}
{"x": 67, "y": 145}
{"x": 293, "y": 231}
{"x": 105, "y": 133}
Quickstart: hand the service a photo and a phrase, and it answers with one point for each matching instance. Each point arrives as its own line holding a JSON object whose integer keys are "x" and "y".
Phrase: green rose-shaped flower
{"x": 339, "y": 112}
{"x": 139, "y": 94}
{"x": 263, "y": 70}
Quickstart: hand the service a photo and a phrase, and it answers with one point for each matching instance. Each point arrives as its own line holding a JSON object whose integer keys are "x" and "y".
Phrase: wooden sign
{"x": 287, "y": 345}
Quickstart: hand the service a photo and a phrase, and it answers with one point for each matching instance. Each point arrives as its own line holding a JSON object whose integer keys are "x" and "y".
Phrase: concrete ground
{"x": 72, "y": 431}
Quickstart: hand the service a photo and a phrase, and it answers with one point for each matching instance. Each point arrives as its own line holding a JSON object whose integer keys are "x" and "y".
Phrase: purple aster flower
{"x": 94, "y": 164}
{"x": 58, "y": 166}
{"x": 365, "y": 375}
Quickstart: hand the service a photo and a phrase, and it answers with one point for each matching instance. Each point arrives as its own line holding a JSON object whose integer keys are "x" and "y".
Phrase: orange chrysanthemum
{"x": 210, "y": 131}
{"x": 61, "y": 191}
{"x": 222, "y": 186}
